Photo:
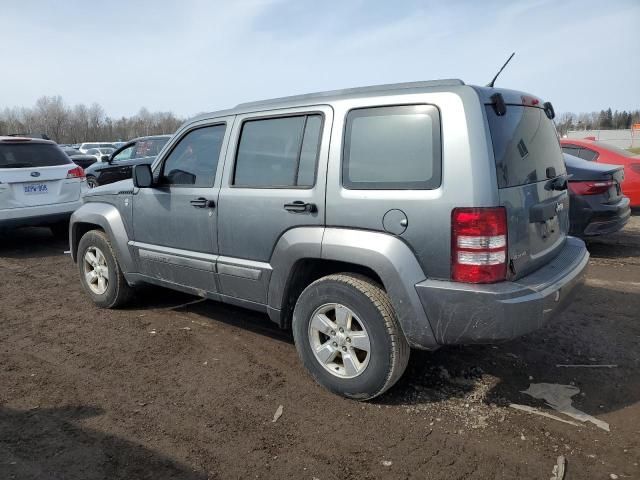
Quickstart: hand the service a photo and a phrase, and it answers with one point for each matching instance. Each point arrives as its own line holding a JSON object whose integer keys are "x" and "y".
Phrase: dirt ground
{"x": 175, "y": 387}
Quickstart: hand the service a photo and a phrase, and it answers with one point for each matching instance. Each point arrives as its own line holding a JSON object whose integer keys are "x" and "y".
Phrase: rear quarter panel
{"x": 468, "y": 177}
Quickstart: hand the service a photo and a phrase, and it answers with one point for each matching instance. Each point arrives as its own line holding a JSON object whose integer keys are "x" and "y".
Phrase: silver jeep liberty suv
{"x": 369, "y": 221}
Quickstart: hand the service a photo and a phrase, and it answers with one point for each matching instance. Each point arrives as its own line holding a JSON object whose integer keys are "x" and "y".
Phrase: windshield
{"x": 28, "y": 155}
{"x": 525, "y": 145}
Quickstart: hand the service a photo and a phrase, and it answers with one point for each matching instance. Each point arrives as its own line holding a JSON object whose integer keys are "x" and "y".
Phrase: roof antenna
{"x": 490, "y": 84}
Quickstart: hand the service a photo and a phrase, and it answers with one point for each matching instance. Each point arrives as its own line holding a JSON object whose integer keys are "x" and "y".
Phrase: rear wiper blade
{"x": 559, "y": 183}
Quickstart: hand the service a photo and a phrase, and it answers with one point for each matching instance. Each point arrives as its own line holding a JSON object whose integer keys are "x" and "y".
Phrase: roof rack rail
{"x": 356, "y": 90}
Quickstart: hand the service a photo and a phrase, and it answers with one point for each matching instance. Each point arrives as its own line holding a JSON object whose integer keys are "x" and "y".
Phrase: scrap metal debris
{"x": 559, "y": 468}
{"x": 535, "y": 411}
{"x": 588, "y": 365}
{"x": 558, "y": 397}
{"x": 278, "y": 414}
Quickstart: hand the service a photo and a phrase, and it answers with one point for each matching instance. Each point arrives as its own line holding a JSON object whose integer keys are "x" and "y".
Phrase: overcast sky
{"x": 192, "y": 56}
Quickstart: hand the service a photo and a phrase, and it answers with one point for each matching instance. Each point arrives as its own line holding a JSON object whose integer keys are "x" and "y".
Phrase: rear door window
{"x": 525, "y": 145}
{"x": 278, "y": 152}
{"x": 30, "y": 155}
{"x": 392, "y": 148}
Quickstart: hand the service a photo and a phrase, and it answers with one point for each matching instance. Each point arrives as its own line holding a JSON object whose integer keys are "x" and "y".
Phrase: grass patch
{"x": 635, "y": 150}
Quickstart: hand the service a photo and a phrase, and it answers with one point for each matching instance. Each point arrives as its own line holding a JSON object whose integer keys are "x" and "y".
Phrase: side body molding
{"x": 385, "y": 254}
{"x": 109, "y": 219}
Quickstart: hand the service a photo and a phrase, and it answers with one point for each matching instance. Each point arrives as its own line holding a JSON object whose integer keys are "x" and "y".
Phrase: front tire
{"x": 92, "y": 182}
{"x": 100, "y": 273}
{"x": 348, "y": 337}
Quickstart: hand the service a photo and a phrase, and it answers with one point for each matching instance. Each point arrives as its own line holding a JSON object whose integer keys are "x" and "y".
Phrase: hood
{"x": 117, "y": 188}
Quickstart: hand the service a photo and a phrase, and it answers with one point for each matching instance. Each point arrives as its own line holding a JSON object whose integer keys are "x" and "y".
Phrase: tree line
{"x": 80, "y": 123}
{"x": 602, "y": 120}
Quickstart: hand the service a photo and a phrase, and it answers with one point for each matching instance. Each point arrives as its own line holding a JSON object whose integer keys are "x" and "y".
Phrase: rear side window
{"x": 278, "y": 152}
{"x": 571, "y": 150}
{"x": 392, "y": 148}
{"x": 29, "y": 155}
{"x": 588, "y": 155}
{"x": 525, "y": 145}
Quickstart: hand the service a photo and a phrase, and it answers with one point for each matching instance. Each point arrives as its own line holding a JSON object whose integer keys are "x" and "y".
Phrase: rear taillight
{"x": 77, "y": 172}
{"x": 479, "y": 244}
{"x": 590, "y": 188}
{"x": 635, "y": 167}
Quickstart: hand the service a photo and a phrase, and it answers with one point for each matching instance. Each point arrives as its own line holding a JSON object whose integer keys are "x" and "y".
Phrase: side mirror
{"x": 142, "y": 176}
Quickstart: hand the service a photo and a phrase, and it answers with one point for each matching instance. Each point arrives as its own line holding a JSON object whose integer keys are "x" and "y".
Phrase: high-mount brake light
{"x": 479, "y": 244}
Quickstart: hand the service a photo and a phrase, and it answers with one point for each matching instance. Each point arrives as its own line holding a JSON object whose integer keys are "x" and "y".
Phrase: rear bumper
{"x": 591, "y": 220}
{"x": 38, "y": 215}
{"x": 465, "y": 313}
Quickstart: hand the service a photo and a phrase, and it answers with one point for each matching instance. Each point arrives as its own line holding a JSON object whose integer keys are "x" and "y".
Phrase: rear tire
{"x": 348, "y": 337}
{"x": 100, "y": 273}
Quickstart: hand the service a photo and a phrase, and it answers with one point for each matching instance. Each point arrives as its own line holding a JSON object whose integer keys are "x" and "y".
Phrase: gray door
{"x": 274, "y": 181}
{"x": 175, "y": 231}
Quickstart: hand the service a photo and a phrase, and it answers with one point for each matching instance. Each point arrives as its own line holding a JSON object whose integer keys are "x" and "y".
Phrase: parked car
{"x": 101, "y": 154}
{"x": 118, "y": 166}
{"x": 368, "y": 220}
{"x": 88, "y": 145}
{"x": 84, "y": 160}
{"x": 597, "y": 205}
{"x": 39, "y": 184}
{"x": 600, "y": 152}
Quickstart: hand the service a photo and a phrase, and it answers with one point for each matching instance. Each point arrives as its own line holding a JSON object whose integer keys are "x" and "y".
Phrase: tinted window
{"x": 392, "y": 148}
{"x": 278, "y": 152}
{"x": 525, "y": 144}
{"x": 571, "y": 150}
{"x": 149, "y": 147}
{"x": 194, "y": 159}
{"x": 124, "y": 154}
{"x": 587, "y": 154}
{"x": 27, "y": 155}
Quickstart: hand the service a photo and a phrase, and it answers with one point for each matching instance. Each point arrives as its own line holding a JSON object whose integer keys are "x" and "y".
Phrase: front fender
{"x": 110, "y": 220}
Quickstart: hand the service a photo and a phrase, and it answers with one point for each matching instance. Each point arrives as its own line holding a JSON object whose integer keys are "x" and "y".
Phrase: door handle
{"x": 202, "y": 203}
{"x": 300, "y": 207}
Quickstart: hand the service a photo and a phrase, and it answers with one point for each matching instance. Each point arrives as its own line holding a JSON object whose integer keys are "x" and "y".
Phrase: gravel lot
{"x": 177, "y": 387}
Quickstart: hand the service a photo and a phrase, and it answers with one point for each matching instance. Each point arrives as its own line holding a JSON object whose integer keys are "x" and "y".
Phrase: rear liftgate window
{"x": 30, "y": 155}
{"x": 392, "y": 148}
{"x": 525, "y": 145}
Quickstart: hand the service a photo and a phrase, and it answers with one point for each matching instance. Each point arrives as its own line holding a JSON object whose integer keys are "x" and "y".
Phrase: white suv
{"x": 39, "y": 184}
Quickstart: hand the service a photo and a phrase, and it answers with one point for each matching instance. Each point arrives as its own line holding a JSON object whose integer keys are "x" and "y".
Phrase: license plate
{"x": 35, "y": 188}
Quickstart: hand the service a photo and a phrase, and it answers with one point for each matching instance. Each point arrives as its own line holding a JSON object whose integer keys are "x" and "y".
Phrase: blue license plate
{"x": 35, "y": 188}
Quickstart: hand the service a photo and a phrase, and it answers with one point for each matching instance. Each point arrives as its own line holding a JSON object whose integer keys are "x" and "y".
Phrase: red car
{"x": 594, "y": 151}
